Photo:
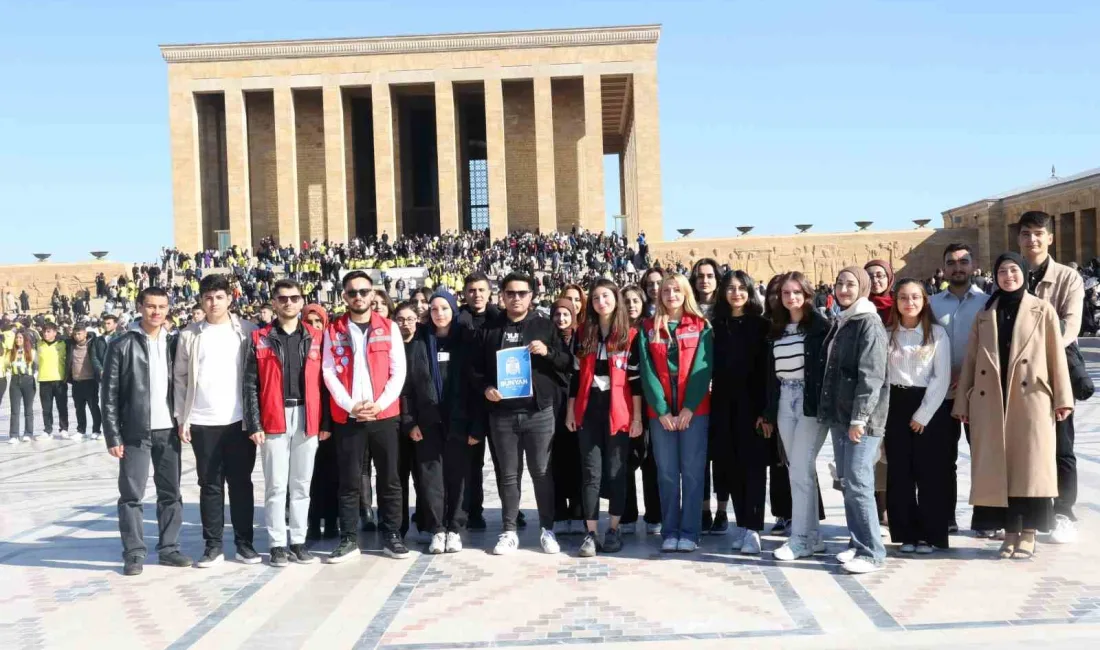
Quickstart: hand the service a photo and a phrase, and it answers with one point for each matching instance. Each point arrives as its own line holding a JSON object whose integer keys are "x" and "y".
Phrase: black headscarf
{"x": 1008, "y": 305}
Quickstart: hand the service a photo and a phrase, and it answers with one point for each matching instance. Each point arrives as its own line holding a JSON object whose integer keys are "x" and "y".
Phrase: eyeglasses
{"x": 878, "y": 276}
{"x": 407, "y": 319}
{"x": 282, "y": 300}
{"x": 512, "y": 295}
{"x": 362, "y": 293}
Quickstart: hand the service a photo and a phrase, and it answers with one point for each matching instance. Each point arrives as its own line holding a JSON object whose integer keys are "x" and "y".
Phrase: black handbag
{"x": 1079, "y": 379}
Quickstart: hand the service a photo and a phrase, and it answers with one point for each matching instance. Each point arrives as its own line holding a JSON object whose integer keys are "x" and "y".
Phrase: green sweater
{"x": 698, "y": 383}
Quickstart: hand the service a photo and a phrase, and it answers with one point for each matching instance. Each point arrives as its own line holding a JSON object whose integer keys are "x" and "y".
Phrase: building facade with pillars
{"x": 332, "y": 139}
{"x": 1071, "y": 201}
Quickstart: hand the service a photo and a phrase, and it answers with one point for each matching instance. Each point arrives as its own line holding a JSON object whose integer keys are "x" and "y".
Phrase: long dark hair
{"x": 925, "y": 315}
{"x": 695, "y": 276}
{"x": 781, "y": 318}
{"x": 633, "y": 288}
{"x": 28, "y": 351}
{"x": 618, "y": 336}
{"x": 722, "y": 308}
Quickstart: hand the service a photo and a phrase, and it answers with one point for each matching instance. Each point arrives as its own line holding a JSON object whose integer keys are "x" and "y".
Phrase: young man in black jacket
{"x": 136, "y": 400}
{"x": 525, "y": 425}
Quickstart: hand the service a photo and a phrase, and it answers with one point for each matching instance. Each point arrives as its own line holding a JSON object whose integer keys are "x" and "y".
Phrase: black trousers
{"x": 473, "y": 501}
{"x": 651, "y": 497}
{"x": 718, "y": 468}
{"x": 22, "y": 402}
{"x": 366, "y": 494}
{"x": 324, "y": 487}
{"x": 86, "y": 396}
{"x": 354, "y": 440}
{"x": 517, "y": 434}
{"x": 49, "y": 393}
{"x": 3, "y": 389}
{"x": 456, "y": 479}
{"x": 428, "y": 454}
{"x": 224, "y": 456}
{"x": 919, "y": 487}
{"x": 1067, "y": 468}
{"x": 1022, "y": 513}
{"x": 603, "y": 462}
{"x": 745, "y": 472}
{"x": 407, "y": 468}
{"x": 162, "y": 450}
{"x": 565, "y": 461}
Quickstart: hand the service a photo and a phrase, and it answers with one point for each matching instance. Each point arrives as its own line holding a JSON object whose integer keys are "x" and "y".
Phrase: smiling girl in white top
{"x": 919, "y": 495}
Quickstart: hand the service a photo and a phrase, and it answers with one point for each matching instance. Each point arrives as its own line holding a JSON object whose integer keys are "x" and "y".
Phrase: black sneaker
{"x": 347, "y": 549}
{"x": 708, "y": 521}
{"x": 477, "y": 523}
{"x": 395, "y": 548}
{"x": 299, "y": 554}
{"x": 588, "y": 546}
{"x": 247, "y": 555}
{"x": 133, "y": 565}
{"x": 612, "y": 541}
{"x": 521, "y": 521}
{"x": 278, "y": 556}
{"x": 721, "y": 523}
{"x": 176, "y": 559}
{"x": 781, "y": 526}
{"x": 211, "y": 556}
{"x": 369, "y": 519}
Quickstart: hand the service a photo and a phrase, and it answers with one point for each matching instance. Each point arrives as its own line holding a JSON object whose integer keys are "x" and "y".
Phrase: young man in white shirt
{"x": 363, "y": 366}
{"x": 207, "y": 382}
{"x": 1064, "y": 289}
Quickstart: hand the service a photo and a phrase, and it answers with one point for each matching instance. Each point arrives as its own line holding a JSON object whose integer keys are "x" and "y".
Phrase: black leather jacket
{"x": 99, "y": 354}
{"x": 124, "y": 389}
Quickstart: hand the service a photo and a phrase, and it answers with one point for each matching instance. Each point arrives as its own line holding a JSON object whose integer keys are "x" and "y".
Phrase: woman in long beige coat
{"x": 1013, "y": 386}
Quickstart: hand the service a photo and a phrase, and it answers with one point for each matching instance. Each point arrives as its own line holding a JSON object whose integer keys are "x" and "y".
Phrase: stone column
{"x": 236, "y": 145}
{"x": 385, "y": 162}
{"x": 1078, "y": 238}
{"x": 544, "y": 155}
{"x": 1059, "y": 236}
{"x": 646, "y": 133}
{"x": 593, "y": 210}
{"x": 498, "y": 177}
{"x": 446, "y": 145}
{"x": 183, "y": 133}
{"x": 336, "y": 197}
{"x": 286, "y": 170}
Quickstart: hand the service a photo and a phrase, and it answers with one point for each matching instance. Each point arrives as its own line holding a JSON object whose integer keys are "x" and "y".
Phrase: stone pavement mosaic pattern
{"x": 60, "y": 582}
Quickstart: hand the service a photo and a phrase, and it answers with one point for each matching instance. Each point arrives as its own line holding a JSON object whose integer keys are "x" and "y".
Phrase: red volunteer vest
{"x": 687, "y": 338}
{"x": 269, "y": 371}
{"x": 379, "y": 343}
{"x": 622, "y": 403}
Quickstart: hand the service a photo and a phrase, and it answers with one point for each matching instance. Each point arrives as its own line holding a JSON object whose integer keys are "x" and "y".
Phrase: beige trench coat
{"x": 1012, "y": 447}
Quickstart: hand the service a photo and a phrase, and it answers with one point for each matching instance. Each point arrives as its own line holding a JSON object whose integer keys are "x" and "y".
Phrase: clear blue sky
{"x": 772, "y": 113}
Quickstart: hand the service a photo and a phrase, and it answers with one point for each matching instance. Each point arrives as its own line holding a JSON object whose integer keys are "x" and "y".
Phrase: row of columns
{"x": 387, "y": 169}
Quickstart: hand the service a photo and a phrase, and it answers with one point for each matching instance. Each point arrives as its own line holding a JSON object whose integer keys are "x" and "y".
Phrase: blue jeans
{"x": 855, "y": 464}
{"x": 681, "y": 461}
{"x": 802, "y": 437}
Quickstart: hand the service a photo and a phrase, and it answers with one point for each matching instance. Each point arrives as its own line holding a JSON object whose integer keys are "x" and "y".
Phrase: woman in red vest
{"x": 675, "y": 365}
{"x": 605, "y": 399}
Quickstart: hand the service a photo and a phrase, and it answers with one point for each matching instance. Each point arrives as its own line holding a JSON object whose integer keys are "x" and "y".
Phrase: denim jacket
{"x": 854, "y": 388}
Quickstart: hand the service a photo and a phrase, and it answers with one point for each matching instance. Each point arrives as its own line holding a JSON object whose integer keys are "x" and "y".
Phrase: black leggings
{"x": 603, "y": 462}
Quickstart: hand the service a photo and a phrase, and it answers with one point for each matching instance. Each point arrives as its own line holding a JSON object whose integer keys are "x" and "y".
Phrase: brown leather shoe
{"x": 1008, "y": 548}
{"x": 1025, "y": 548}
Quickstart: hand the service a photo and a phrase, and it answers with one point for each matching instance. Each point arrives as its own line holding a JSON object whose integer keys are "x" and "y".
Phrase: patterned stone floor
{"x": 60, "y": 585}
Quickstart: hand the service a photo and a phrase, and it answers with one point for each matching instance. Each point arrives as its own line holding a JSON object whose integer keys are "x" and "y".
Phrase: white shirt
{"x": 160, "y": 416}
{"x": 361, "y": 388}
{"x": 218, "y": 387}
{"x": 910, "y": 363}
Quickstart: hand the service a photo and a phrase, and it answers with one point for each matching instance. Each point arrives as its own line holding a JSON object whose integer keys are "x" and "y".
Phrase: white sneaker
{"x": 670, "y": 545}
{"x": 41, "y": 436}
{"x": 628, "y": 529}
{"x": 97, "y": 436}
{"x": 507, "y": 543}
{"x": 562, "y": 527}
{"x": 686, "y": 546}
{"x": 738, "y": 535}
{"x": 819, "y": 544}
{"x": 438, "y": 544}
{"x": 653, "y": 529}
{"x": 549, "y": 542}
{"x": 750, "y": 545}
{"x": 454, "y": 543}
{"x": 862, "y": 565}
{"x": 924, "y": 548}
{"x": 1065, "y": 531}
{"x": 908, "y": 548}
{"x": 791, "y": 551}
{"x": 14, "y": 440}
{"x": 846, "y": 556}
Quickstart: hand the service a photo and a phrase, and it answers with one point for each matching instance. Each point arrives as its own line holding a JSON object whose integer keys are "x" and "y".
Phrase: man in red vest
{"x": 286, "y": 413}
{"x": 364, "y": 369}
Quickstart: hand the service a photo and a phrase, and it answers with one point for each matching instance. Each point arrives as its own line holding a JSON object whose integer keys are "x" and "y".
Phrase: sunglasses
{"x": 511, "y": 295}
{"x": 362, "y": 293}
{"x": 282, "y": 300}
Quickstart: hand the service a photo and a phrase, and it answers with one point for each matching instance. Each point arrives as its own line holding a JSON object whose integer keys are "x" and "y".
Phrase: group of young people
{"x": 699, "y": 382}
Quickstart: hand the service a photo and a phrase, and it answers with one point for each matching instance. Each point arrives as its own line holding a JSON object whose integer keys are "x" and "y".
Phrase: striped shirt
{"x": 789, "y": 354}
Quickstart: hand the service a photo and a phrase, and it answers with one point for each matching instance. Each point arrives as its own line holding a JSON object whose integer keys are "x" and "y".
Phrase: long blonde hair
{"x": 660, "y": 319}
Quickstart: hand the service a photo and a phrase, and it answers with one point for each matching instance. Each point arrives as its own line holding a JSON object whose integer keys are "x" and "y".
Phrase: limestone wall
{"x": 41, "y": 278}
{"x": 820, "y": 255}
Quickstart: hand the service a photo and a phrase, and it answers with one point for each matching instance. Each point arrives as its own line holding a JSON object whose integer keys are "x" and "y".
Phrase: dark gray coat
{"x": 854, "y": 387}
